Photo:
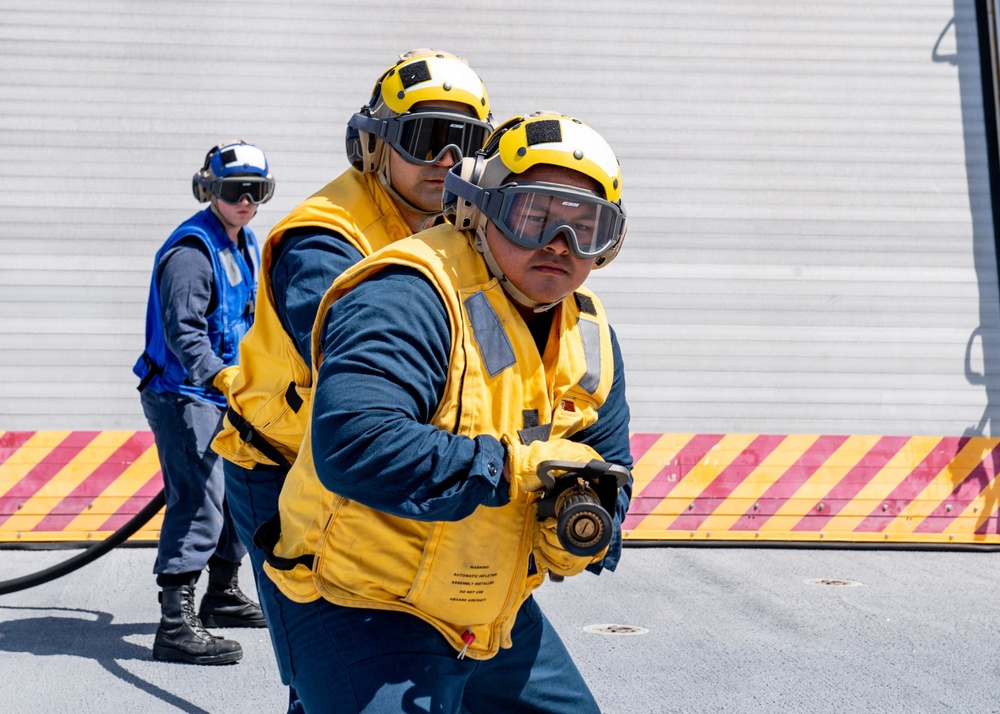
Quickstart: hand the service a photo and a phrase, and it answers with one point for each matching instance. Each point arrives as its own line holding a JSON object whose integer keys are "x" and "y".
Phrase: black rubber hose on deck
{"x": 91, "y": 553}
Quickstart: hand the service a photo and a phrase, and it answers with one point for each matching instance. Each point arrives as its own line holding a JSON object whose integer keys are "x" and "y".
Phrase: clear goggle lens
{"x": 424, "y": 137}
{"x": 532, "y": 215}
{"x": 232, "y": 190}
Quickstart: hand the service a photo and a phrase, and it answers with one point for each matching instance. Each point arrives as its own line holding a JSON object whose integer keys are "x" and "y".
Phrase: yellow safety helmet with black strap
{"x": 420, "y": 76}
{"x": 485, "y": 187}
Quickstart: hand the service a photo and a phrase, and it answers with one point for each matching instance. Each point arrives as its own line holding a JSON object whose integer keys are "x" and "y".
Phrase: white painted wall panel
{"x": 811, "y": 245}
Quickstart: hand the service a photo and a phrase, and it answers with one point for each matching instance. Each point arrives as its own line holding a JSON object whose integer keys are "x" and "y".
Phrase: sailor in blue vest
{"x": 201, "y": 302}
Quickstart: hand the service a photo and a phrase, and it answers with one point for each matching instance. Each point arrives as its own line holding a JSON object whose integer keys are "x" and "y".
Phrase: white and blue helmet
{"x": 232, "y": 170}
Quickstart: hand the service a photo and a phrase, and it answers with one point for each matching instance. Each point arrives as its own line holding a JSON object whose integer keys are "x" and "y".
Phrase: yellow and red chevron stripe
{"x": 70, "y": 486}
{"x": 75, "y": 486}
{"x": 861, "y": 489}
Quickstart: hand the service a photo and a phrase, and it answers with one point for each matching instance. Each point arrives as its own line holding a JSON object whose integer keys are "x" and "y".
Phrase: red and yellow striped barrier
{"x": 78, "y": 486}
{"x": 849, "y": 489}
{"x": 75, "y": 486}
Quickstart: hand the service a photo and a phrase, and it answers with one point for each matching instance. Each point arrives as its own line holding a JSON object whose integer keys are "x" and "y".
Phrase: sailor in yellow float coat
{"x": 367, "y": 207}
{"x": 439, "y": 557}
{"x": 407, "y": 523}
{"x": 426, "y": 111}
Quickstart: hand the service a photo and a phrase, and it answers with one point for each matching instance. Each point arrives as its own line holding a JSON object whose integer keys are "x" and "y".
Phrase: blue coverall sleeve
{"x": 186, "y": 281}
{"x": 304, "y": 266}
{"x": 385, "y": 362}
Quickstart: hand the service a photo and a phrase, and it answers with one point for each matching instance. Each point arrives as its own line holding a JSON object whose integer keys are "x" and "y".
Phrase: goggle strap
{"x": 464, "y": 189}
{"x": 363, "y": 122}
{"x": 487, "y": 200}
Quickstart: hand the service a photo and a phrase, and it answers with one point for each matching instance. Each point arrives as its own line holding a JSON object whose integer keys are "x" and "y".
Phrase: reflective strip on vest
{"x": 498, "y": 354}
{"x": 590, "y": 332}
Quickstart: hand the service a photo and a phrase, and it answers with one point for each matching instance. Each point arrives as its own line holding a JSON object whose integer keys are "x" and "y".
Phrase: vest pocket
{"x": 471, "y": 570}
{"x": 369, "y": 555}
{"x": 458, "y": 574}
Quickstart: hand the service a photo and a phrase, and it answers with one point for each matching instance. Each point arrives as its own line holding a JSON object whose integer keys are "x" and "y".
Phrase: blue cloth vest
{"x": 158, "y": 367}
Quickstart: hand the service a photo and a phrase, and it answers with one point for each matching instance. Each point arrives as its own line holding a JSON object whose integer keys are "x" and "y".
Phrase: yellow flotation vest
{"x": 272, "y": 391}
{"x": 466, "y": 578}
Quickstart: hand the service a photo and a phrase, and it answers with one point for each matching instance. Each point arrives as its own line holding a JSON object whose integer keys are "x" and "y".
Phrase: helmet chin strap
{"x": 385, "y": 179}
{"x": 483, "y": 246}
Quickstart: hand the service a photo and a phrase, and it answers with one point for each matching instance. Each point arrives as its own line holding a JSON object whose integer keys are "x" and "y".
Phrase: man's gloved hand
{"x": 223, "y": 379}
{"x": 551, "y": 556}
{"x": 521, "y": 469}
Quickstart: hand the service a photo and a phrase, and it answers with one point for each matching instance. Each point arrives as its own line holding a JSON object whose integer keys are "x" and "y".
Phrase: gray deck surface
{"x": 726, "y": 630}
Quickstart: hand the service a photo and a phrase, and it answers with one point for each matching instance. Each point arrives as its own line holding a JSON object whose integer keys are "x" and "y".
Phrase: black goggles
{"x": 232, "y": 189}
{"x": 424, "y": 137}
{"x": 531, "y": 215}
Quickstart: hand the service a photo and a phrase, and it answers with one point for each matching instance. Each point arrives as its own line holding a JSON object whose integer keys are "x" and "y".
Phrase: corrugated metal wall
{"x": 811, "y": 246}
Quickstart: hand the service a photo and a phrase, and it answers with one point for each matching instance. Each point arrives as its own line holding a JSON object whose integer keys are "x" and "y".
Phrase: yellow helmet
{"x": 543, "y": 138}
{"x": 420, "y": 76}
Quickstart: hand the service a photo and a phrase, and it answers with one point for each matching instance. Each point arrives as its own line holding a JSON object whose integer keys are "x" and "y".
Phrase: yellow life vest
{"x": 273, "y": 388}
{"x": 469, "y": 576}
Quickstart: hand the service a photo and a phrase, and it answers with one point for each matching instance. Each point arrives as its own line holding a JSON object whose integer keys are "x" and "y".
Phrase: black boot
{"x": 224, "y": 604}
{"x": 182, "y": 638}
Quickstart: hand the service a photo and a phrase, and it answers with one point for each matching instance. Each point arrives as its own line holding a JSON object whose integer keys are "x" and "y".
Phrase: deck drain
{"x": 615, "y": 630}
{"x": 832, "y": 581}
